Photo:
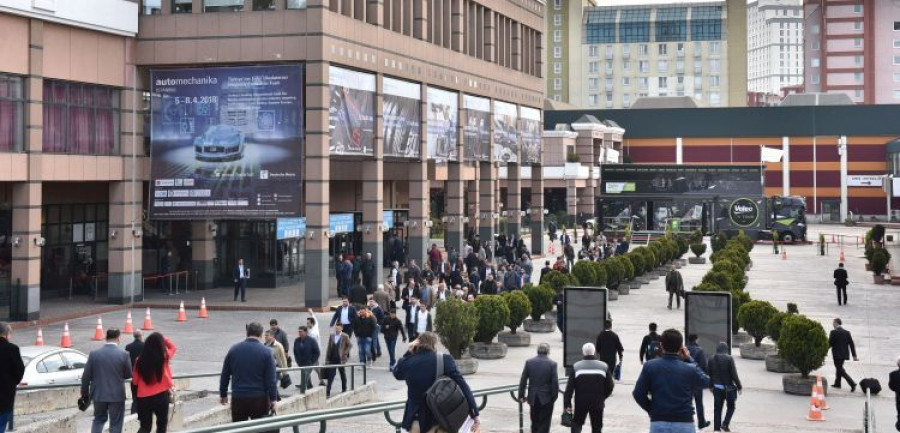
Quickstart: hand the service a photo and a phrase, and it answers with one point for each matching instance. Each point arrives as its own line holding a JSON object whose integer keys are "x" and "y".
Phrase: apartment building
{"x": 774, "y": 45}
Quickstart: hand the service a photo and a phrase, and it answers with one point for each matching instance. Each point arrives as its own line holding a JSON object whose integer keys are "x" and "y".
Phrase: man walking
{"x": 103, "y": 381}
{"x": 345, "y": 315}
{"x": 650, "y": 345}
{"x": 591, "y": 383}
{"x": 134, "y": 350}
{"x": 840, "y": 283}
{"x": 250, "y": 368}
{"x": 281, "y": 337}
{"x": 894, "y": 385}
{"x": 379, "y": 314}
{"x": 699, "y": 356}
{"x": 241, "y": 274}
{"x": 665, "y": 387}
{"x": 541, "y": 378}
{"x": 337, "y": 353}
{"x": 725, "y": 384}
{"x": 368, "y": 273}
{"x": 609, "y": 346}
{"x": 10, "y": 375}
{"x": 839, "y": 340}
{"x": 306, "y": 352}
{"x": 390, "y": 328}
{"x": 365, "y": 325}
{"x": 675, "y": 287}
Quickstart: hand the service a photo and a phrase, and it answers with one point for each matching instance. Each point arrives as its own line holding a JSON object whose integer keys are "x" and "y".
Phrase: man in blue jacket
{"x": 250, "y": 367}
{"x": 418, "y": 367}
{"x": 306, "y": 352}
{"x": 666, "y": 384}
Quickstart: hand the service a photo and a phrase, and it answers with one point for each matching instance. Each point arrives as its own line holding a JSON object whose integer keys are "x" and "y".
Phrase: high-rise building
{"x": 851, "y": 48}
{"x": 563, "y": 32}
{"x": 774, "y": 45}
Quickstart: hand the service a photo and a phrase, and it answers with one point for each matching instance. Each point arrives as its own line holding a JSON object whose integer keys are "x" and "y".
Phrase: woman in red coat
{"x": 153, "y": 379}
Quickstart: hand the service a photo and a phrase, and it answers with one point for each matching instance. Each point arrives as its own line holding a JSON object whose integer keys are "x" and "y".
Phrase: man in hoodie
{"x": 725, "y": 386}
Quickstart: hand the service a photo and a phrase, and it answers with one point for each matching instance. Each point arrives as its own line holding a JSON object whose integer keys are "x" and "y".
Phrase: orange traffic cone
{"x": 148, "y": 323}
{"x": 815, "y": 414}
{"x": 820, "y": 392}
{"x": 98, "y": 332}
{"x": 66, "y": 340}
{"x": 182, "y": 315}
{"x": 203, "y": 313}
{"x": 783, "y": 253}
{"x": 40, "y": 338}
{"x": 129, "y": 326}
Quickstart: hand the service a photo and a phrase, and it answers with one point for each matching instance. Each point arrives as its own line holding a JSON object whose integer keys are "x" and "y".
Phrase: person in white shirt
{"x": 422, "y": 320}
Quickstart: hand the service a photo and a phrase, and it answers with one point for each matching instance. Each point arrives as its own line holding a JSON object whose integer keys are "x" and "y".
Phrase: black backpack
{"x": 446, "y": 401}
{"x": 873, "y": 385}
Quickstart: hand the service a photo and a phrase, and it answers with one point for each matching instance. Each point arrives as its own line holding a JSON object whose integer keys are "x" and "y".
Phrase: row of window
{"x": 643, "y": 66}
{"x": 662, "y": 82}
{"x": 670, "y": 25}
{"x": 154, "y": 7}
{"x": 643, "y": 50}
{"x": 715, "y": 98}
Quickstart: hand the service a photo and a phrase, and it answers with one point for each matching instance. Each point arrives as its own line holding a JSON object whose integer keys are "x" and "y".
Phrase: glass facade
{"x": 706, "y": 23}
{"x": 12, "y": 112}
{"x": 634, "y": 25}
{"x": 600, "y": 26}
{"x": 80, "y": 118}
{"x": 77, "y": 248}
{"x": 253, "y": 241}
{"x": 671, "y": 24}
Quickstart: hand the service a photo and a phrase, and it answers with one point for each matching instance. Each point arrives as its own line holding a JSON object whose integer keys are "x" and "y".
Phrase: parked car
{"x": 51, "y": 365}
{"x": 219, "y": 143}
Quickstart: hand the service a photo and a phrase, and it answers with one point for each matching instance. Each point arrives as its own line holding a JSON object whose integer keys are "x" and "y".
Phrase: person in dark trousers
{"x": 365, "y": 324}
{"x": 591, "y": 382}
{"x": 609, "y": 346}
{"x": 281, "y": 337}
{"x": 134, "y": 350}
{"x": 839, "y": 340}
{"x": 675, "y": 287}
{"x": 840, "y": 283}
{"x": 540, "y": 377}
{"x": 358, "y": 296}
{"x": 894, "y": 385}
{"x": 306, "y": 352}
{"x": 103, "y": 382}
{"x": 560, "y": 302}
{"x": 368, "y": 273}
{"x": 665, "y": 387}
{"x": 650, "y": 345}
{"x": 380, "y": 315}
{"x": 725, "y": 386}
{"x": 699, "y": 356}
{"x": 153, "y": 378}
{"x": 250, "y": 368}
{"x": 337, "y": 352}
{"x": 339, "y": 274}
{"x": 240, "y": 275}
{"x": 345, "y": 315}
{"x": 10, "y": 375}
{"x": 391, "y": 327}
{"x": 418, "y": 368}
{"x": 544, "y": 271}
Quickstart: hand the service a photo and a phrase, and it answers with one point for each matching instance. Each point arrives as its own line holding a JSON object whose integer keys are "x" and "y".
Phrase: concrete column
{"x": 26, "y": 257}
{"x": 585, "y": 201}
{"x": 458, "y": 24}
{"x": 420, "y": 20}
{"x": 125, "y": 258}
{"x": 473, "y": 198}
{"x": 373, "y": 190}
{"x": 203, "y": 253}
{"x": 487, "y": 202}
{"x": 513, "y": 199}
{"x": 453, "y": 230}
{"x": 318, "y": 173}
{"x": 490, "y": 37}
{"x": 786, "y": 166}
{"x": 419, "y": 235}
{"x": 538, "y": 243}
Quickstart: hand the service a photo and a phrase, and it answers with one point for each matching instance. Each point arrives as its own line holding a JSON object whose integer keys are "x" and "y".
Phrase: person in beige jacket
{"x": 337, "y": 353}
{"x": 278, "y": 349}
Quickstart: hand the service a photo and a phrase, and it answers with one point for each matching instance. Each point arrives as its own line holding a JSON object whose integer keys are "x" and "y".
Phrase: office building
{"x": 774, "y": 45}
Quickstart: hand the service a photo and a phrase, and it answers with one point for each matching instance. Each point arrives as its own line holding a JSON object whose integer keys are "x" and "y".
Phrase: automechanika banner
{"x": 402, "y": 118}
{"x": 352, "y": 112}
{"x": 531, "y": 135}
{"x": 478, "y": 128}
{"x": 443, "y": 112}
{"x": 506, "y": 134}
{"x": 226, "y": 142}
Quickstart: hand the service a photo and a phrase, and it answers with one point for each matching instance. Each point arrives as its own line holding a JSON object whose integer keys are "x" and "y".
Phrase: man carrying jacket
{"x": 540, "y": 377}
{"x": 725, "y": 385}
{"x": 591, "y": 383}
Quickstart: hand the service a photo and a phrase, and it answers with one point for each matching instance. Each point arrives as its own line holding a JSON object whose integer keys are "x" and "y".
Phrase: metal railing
{"x": 94, "y": 285}
{"x": 171, "y": 282}
{"x": 868, "y": 414}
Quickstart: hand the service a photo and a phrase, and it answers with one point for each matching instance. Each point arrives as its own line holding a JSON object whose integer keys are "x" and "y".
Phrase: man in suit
{"x": 544, "y": 271}
{"x": 10, "y": 375}
{"x": 337, "y": 353}
{"x": 894, "y": 385}
{"x": 240, "y": 274}
{"x": 541, "y": 377}
{"x": 344, "y": 315}
{"x": 134, "y": 350}
{"x": 103, "y": 381}
{"x": 591, "y": 383}
{"x": 368, "y": 273}
{"x": 840, "y": 340}
{"x": 840, "y": 282}
{"x": 675, "y": 287}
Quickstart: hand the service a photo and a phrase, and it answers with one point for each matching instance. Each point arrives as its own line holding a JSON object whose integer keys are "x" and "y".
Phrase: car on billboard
{"x": 220, "y": 143}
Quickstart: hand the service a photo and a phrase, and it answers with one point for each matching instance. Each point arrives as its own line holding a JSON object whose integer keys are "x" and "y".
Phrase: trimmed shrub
{"x": 720, "y": 279}
{"x": 698, "y": 249}
{"x": 614, "y": 272}
{"x": 541, "y": 298}
{"x": 637, "y": 262}
{"x": 649, "y": 259}
{"x": 706, "y": 287}
{"x": 600, "y": 276}
{"x": 880, "y": 259}
{"x": 878, "y": 233}
{"x": 557, "y": 280}
{"x": 753, "y": 317}
{"x": 738, "y": 299}
{"x": 683, "y": 246}
{"x": 745, "y": 241}
{"x": 584, "y": 272}
{"x": 734, "y": 271}
{"x": 627, "y": 268}
{"x": 792, "y": 308}
{"x": 493, "y": 315}
{"x": 773, "y": 326}
{"x": 455, "y": 322}
{"x": 803, "y": 343}
{"x": 718, "y": 241}
{"x": 697, "y": 237}
{"x": 519, "y": 308}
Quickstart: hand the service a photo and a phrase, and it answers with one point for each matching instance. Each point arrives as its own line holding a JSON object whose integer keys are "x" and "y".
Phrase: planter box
{"x": 757, "y": 353}
{"x": 643, "y": 279}
{"x": 488, "y": 350}
{"x": 624, "y": 288}
{"x": 776, "y": 364}
{"x": 795, "y": 384}
{"x": 697, "y": 260}
{"x": 869, "y": 267}
{"x": 878, "y": 279}
{"x": 635, "y": 284}
{"x": 613, "y": 294}
{"x": 542, "y": 326}
{"x": 519, "y": 339}
{"x": 740, "y": 338}
{"x": 467, "y": 365}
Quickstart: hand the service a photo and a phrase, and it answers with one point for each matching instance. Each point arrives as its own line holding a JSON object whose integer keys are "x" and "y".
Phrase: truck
{"x": 787, "y": 216}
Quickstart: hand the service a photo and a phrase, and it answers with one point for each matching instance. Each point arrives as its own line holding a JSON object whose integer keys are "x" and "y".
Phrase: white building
{"x": 774, "y": 45}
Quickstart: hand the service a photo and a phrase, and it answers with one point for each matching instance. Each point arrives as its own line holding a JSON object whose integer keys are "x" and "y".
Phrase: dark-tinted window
{"x": 80, "y": 118}
{"x": 634, "y": 25}
{"x": 263, "y": 5}
{"x": 182, "y": 6}
{"x": 671, "y": 24}
{"x": 223, "y": 5}
{"x": 12, "y": 112}
{"x": 706, "y": 23}
{"x": 600, "y": 26}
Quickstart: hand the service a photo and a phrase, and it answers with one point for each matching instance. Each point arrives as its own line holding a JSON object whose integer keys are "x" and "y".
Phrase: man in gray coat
{"x": 675, "y": 287}
{"x": 103, "y": 381}
{"x": 541, "y": 378}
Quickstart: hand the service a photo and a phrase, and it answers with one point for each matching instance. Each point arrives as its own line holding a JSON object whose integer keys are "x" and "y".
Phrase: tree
{"x": 718, "y": 241}
{"x": 519, "y": 308}
{"x": 600, "y": 276}
{"x": 614, "y": 272}
{"x": 584, "y": 273}
{"x": 649, "y": 259}
{"x": 773, "y": 326}
{"x": 558, "y": 280}
{"x": 706, "y": 287}
{"x": 637, "y": 262}
{"x": 698, "y": 249}
{"x": 738, "y": 298}
{"x": 803, "y": 343}
{"x": 697, "y": 236}
{"x": 455, "y": 322}
{"x": 877, "y": 233}
{"x": 683, "y": 246}
{"x": 493, "y": 315}
{"x": 541, "y": 298}
{"x": 880, "y": 259}
{"x": 753, "y": 317}
{"x": 627, "y": 268}
{"x": 734, "y": 271}
{"x": 720, "y": 279}
{"x": 745, "y": 241}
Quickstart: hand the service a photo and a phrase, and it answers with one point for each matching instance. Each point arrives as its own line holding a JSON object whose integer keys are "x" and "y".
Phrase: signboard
{"x": 388, "y": 218}
{"x": 895, "y": 183}
{"x": 477, "y": 130}
{"x": 743, "y": 212}
{"x": 708, "y": 314}
{"x": 402, "y": 118}
{"x": 619, "y": 187}
{"x": 585, "y": 314}
{"x": 290, "y": 228}
{"x": 865, "y": 180}
{"x": 443, "y": 113}
{"x": 341, "y": 223}
{"x": 530, "y": 132}
{"x": 351, "y": 114}
{"x": 226, "y": 142}
{"x": 506, "y": 134}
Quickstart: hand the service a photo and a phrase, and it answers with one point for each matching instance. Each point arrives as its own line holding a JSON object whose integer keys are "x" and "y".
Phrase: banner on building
{"x": 402, "y": 118}
{"x": 506, "y": 134}
{"x": 531, "y": 135}
{"x": 351, "y": 112}
{"x": 477, "y": 129}
{"x": 443, "y": 112}
{"x": 290, "y": 228}
{"x": 226, "y": 142}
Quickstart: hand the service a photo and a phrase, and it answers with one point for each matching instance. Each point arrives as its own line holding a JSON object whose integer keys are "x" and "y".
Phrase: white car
{"x": 50, "y": 365}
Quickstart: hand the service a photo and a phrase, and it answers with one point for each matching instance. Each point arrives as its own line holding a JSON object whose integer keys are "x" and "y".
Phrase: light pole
{"x": 842, "y": 151}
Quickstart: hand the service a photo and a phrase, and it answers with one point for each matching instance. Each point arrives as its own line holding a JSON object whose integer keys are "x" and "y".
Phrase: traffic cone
{"x": 66, "y": 340}
{"x": 820, "y": 392}
{"x": 203, "y": 313}
{"x": 129, "y": 326}
{"x": 783, "y": 253}
{"x": 98, "y": 332}
{"x": 40, "y": 338}
{"x": 815, "y": 414}
{"x": 148, "y": 323}
{"x": 182, "y": 315}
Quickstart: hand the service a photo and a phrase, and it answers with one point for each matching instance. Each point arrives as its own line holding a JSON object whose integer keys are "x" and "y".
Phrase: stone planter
{"x": 677, "y": 264}
{"x": 467, "y": 365}
{"x": 795, "y": 384}
{"x": 488, "y": 350}
{"x": 520, "y": 339}
{"x": 662, "y": 271}
{"x": 878, "y": 279}
{"x": 757, "y": 353}
{"x": 776, "y": 364}
{"x": 612, "y": 294}
{"x": 644, "y": 279}
{"x": 740, "y": 338}
{"x": 669, "y": 267}
{"x": 697, "y": 260}
{"x": 542, "y": 326}
{"x": 634, "y": 284}
{"x": 624, "y": 288}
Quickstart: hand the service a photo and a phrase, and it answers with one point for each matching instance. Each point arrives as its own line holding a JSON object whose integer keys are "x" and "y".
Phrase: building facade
{"x": 563, "y": 41}
{"x": 774, "y": 45}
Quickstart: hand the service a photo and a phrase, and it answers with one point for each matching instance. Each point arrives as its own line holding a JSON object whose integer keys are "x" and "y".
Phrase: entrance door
{"x": 831, "y": 211}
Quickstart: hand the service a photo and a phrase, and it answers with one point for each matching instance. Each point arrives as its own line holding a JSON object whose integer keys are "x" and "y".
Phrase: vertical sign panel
{"x": 585, "y": 313}
{"x": 402, "y": 118}
{"x": 478, "y": 128}
{"x": 443, "y": 110}
{"x": 708, "y": 314}
{"x": 352, "y": 112}
{"x": 506, "y": 133}
{"x": 530, "y": 132}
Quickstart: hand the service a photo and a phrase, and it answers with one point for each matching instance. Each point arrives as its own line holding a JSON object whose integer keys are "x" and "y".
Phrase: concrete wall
{"x": 62, "y": 424}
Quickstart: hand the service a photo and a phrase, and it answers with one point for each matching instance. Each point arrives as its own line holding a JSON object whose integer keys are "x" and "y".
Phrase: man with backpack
{"x": 433, "y": 403}
{"x": 650, "y": 346}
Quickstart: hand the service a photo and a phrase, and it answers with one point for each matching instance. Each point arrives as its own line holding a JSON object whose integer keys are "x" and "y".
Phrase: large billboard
{"x": 351, "y": 115}
{"x": 506, "y": 134}
{"x": 226, "y": 142}
{"x": 708, "y": 314}
{"x": 402, "y": 118}
{"x": 443, "y": 112}
{"x": 530, "y": 132}
{"x": 585, "y": 314}
{"x": 477, "y": 129}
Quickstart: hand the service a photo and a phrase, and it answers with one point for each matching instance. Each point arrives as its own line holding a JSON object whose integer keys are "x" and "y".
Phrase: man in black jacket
{"x": 306, "y": 352}
{"x": 10, "y": 375}
{"x": 725, "y": 384}
{"x": 840, "y": 283}
{"x": 699, "y": 356}
{"x": 609, "y": 345}
{"x": 592, "y": 383}
{"x": 390, "y": 328}
{"x": 368, "y": 273}
{"x": 894, "y": 385}
{"x": 839, "y": 340}
{"x": 540, "y": 376}
{"x": 650, "y": 345}
{"x": 345, "y": 315}
{"x": 544, "y": 271}
{"x": 134, "y": 350}
{"x": 675, "y": 287}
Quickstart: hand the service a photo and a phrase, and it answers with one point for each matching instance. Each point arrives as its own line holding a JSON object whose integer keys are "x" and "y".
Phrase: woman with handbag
{"x": 153, "y": 379}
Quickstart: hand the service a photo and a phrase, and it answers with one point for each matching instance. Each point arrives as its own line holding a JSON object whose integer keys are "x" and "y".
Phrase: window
{"x": 557, "y": 98}
{"x": 626, "y": 81}
{"x": 698, "y": 83}
{"x": 634, "y": 25}
{"x": 12, "y": 113}
{"x": 600, "y": 26}
{"x": 80, "y": 118}
{"x": 592, "y": 100}
{"x": 706, "y": 23}
{"x": 896, "y": 94}
{"x": 609, "y": 97}
{"x": 679, "y": 66}
{"x": 814, "y": 29}
{"x": 626, "y": 100}
{"x": 896, "y": 43}
{"x": 698, "y": 96}
{"x": 593, "y": 83}
{"x": 714, "y": 98}
{"x": 815, "y": 45}
{"x": 593, "y": 51}
{"x": 671, "y": 24}
{"x": 643, "y": 82}
{"x": 857, "y": 42}
{"x": 75, "y": 361}
{"x": 557, "y": 4}
{"x": 557, "y": 67}
{"x": 626, "y": 50}
{"x": 858, "y": 93}
{"x": 609, "y": 52}
{"x": 857, "y": 8}
{"x": 264, "y": 5}
{"x": 662, "y": 66}
{"x": 713, "y": 81}
{"x": 679, "y": 49}
{"x": 858, "y": 77}
{"x": 593, "y": 67}
{"x": 151, "y": 7}
{"x": 644, "y": 66}
{"x": 857, "y": 25}
{"x": 609, "y": 67}
{"x": 608, "y": 83}
{"x": 557, "y": 84}
{"x": 897, "y": 77}
{"x": 663, "y": 82}
{"x": 896, "y": 26}
{"x": 557, "y": 52}
{"x": 858, "y": 60}
{"x": 626, "y": 65}
{"x": 815, "y": 79}
{"x": 296, "y": 4}
{"x": 557, "y": 20}
{"x": 223, "y": 5}
{"x": 557, "y": 36}
{"x": 714, "y": 65}
{"x": 182, "y": 6}
{"x": 698, "y": 67}
{"x": 897, "y": 60}
{"x": 642, "y": 49}
{"x": 714, "y": 47}
{"x": 814, "y": 62}
{"x": 663, "y": 49}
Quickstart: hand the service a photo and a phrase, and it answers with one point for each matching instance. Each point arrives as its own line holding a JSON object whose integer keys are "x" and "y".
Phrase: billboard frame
{"x": 687, "y": 300}
{"x": 603, "y": 314}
